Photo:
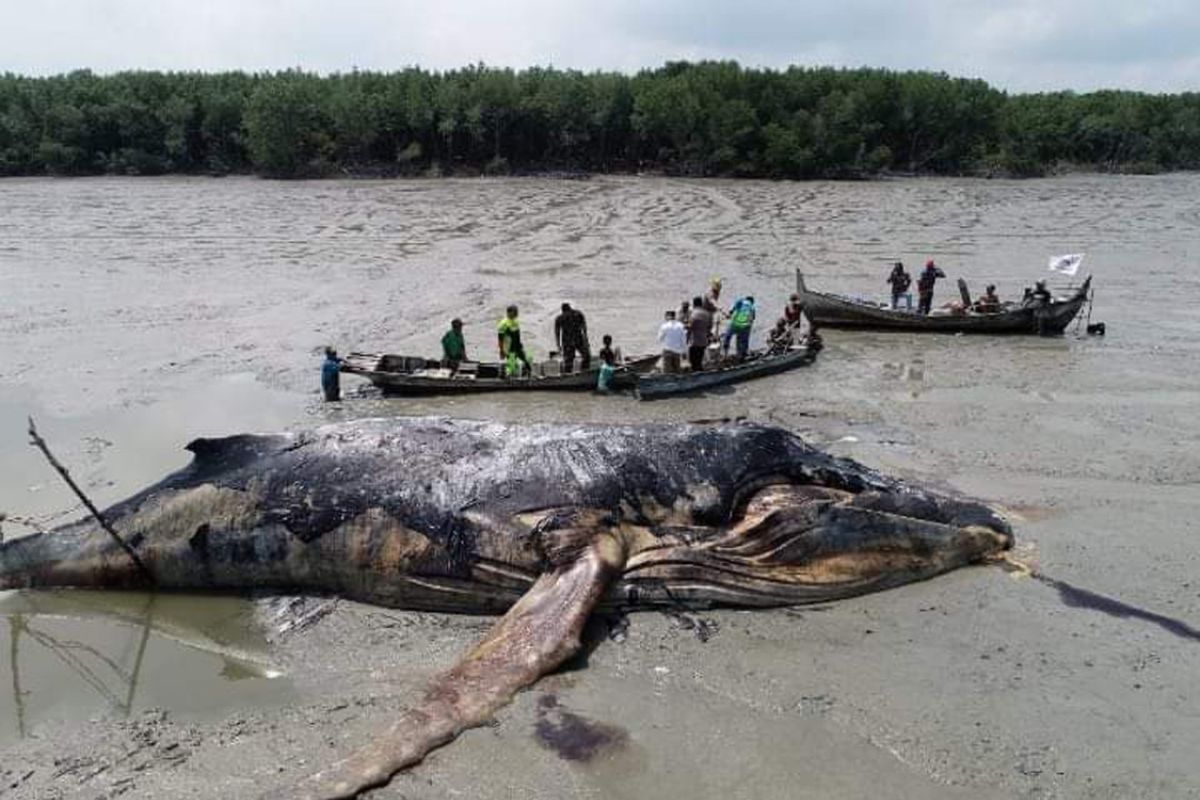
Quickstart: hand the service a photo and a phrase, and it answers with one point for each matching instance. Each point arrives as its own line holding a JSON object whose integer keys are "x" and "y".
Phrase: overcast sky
{"x": 1020, "y": 45}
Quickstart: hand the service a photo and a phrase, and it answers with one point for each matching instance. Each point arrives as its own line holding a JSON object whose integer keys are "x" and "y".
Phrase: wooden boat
{"x": 655, "y": 385}
{"x": 834, "y": 311}
{"x": 416, "y": 375}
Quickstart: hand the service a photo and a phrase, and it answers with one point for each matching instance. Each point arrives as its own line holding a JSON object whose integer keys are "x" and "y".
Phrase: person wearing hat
{"x": 571, "y": 336}
{"x": 712, "y": 304}
{"x": 331, "y": 369}
{"x": 925, "y": 283}
{"x": 712, "y": 298}
{"x": 454, "y": 347}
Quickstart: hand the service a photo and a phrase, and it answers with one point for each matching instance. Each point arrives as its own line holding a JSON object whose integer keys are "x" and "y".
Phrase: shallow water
{"x": 137, "y": 314}
{"x": 81, "y": 654}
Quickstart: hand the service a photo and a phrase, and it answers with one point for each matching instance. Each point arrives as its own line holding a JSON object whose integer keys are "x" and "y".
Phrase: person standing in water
{"x": 331, "y": 383}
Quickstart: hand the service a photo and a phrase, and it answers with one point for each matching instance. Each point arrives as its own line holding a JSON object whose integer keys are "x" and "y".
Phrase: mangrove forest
{"x": 697, "y": 119}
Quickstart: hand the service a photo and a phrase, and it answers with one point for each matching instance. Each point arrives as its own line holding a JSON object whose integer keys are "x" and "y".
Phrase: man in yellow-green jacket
{"x": 511, "y": 350}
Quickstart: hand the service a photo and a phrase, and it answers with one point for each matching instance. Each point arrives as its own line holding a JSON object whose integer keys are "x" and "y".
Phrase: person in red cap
{"x": 925, "y": 282}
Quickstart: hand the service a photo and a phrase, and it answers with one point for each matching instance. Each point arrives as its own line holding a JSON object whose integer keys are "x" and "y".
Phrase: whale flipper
{"x": 539, "y": 633}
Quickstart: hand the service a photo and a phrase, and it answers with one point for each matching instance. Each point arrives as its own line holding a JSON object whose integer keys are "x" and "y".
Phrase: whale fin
{"x": 232, "y": 452}
{"x": 538, "y": 633}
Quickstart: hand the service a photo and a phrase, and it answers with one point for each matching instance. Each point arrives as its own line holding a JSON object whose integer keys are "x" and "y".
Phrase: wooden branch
{"x": 37, "y": 441}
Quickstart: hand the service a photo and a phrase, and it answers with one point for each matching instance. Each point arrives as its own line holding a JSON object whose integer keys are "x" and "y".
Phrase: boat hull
{"x": 651, "y": 387}
{"x": 1049, "y": 320}
{"x": 400, "y": 383}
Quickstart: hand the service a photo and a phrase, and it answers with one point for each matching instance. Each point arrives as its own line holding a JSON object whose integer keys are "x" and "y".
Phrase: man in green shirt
{"x": 454, "y": 348}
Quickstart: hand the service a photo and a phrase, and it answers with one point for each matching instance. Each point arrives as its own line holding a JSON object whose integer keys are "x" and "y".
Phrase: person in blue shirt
{"x": 331, "y": 375}
{"x": 741, "y": 319}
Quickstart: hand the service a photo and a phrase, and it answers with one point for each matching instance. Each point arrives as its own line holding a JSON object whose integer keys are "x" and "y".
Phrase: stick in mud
{"x": 37, "y": 441}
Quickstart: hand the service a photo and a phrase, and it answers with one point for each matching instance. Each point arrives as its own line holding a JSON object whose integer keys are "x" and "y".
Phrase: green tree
{"x": 287, "y": 133}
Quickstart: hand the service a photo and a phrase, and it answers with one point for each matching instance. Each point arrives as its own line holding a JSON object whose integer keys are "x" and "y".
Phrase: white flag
{"x": 1067, "y": 265}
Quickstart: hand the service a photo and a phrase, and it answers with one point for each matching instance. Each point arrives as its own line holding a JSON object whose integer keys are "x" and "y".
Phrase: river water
{"x": 138, "y": 314}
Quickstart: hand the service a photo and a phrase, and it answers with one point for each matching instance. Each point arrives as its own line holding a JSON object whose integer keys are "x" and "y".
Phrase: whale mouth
{"x": 792, "y": 544}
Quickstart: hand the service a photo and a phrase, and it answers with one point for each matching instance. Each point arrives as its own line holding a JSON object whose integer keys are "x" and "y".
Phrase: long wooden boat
{"x": 656, "y": 385}
{"x": 416, "y": 375}
{"x": 835, "y": 311}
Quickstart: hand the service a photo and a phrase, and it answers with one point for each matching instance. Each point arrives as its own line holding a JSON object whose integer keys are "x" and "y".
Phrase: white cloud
{"x": 1019, "y": 45}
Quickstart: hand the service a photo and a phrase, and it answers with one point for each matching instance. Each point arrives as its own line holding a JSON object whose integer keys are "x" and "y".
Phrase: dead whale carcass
{"x": 542, "y": 522}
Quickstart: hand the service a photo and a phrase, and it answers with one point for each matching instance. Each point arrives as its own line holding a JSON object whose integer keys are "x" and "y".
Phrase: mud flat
{"x": 137, "y": 314}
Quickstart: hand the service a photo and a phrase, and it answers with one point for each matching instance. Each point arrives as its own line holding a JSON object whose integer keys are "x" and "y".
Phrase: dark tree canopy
{"x": 707, "y": 118}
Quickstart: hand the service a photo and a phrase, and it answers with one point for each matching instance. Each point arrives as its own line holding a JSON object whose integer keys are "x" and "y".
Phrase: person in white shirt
{"x": 673, "y": 336}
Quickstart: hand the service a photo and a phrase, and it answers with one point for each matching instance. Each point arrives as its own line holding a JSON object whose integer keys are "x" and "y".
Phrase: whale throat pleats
{"x": 539, "y": 633}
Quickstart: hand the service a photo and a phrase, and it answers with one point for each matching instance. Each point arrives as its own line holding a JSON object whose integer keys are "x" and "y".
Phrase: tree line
{"x": 700, "y": 119}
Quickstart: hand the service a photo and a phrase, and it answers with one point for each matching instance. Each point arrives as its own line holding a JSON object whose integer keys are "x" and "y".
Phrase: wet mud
{"x": 138, "y": 314}
{"x": 571, "y": 736}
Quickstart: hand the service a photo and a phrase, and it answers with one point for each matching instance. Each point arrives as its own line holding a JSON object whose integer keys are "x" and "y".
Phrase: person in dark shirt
{"x": 781, "y": 337}
{"x": 925, "y": 283}
{"x": 607, "y": 353}
{"x": 699, "y": 333}
{"x": 454, "y": 347}
{"x": 900, "y": 281}
{"x": 331, "y": 369}
{"x": 570, "y": 334}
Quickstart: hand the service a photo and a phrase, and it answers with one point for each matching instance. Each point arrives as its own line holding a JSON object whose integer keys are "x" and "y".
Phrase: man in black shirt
{"x": 925, "y": 282}
{"x": 570, "y": 333}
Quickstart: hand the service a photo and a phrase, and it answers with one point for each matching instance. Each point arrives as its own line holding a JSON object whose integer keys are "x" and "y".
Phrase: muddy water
{"x": 73, "y": 655}
{"x": 135, "y": 315}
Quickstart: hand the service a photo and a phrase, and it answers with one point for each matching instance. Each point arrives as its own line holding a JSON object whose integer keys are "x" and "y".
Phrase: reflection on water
{"x": 77, "y": 654}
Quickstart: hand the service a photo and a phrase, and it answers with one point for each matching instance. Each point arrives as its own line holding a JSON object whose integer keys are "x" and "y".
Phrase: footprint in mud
{"x": 94, "y": 447}
{"x": 573, "y": 737}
